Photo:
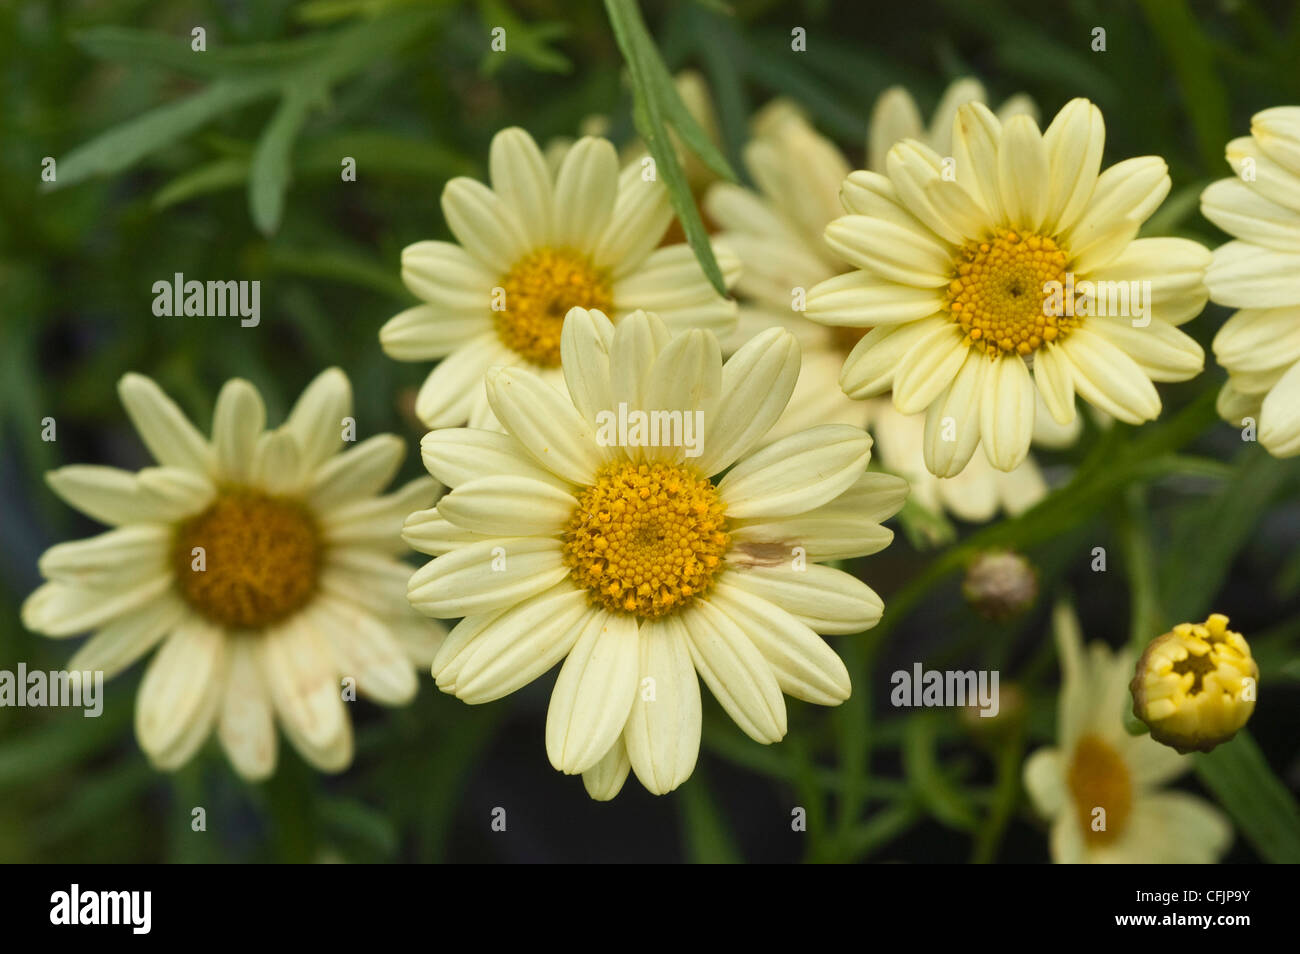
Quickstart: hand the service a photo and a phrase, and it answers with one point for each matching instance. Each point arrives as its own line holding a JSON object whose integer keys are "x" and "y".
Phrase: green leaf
{"x": 656, "y": 107}
{"x": 940, "y": 797}
{"x": 708, "y": 838}
{"x": 1258, "y": 802}
{"x": 148, "y": 48}
{"x": 271, "y": 168}
{"x": 529, "y": 42}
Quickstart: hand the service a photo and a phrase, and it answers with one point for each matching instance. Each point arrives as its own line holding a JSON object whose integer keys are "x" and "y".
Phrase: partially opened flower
{"x": 1101, "y": 787}
{"x": 630, "y": 526}
{"x": 530, "y": 248}
{"x": 1008, "y": 267}
{"x": 1260, "y": 344}
{"x": 778, "y": 234}
{"x": 262, "y": 564}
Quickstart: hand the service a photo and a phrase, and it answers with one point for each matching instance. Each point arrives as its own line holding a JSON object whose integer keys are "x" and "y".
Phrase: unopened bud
{"x": 1196, "y": 686}
{"x": 1000, "y": 585}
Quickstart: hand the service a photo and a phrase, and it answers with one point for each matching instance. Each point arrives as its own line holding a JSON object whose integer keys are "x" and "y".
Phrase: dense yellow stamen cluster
{"x": 258, "y": 562}
{"x": 996, "y": 293}
{"x": 540, "y": 289}
{"x": 1098, "y": 778}
{"x": 1196, "y": 686}
{"x": 646, "y": 538}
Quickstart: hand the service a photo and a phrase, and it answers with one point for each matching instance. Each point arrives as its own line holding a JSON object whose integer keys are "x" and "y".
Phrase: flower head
{"x": 531, "y": 247}
{"x": 1260, "y": 344}
{"x": 1100, "y": 787}
{"x": 1008, "y": 268}
{"x": 264, "y": 566}
{"x": 1196, "y": 686}
{"x": 639, "y": 527}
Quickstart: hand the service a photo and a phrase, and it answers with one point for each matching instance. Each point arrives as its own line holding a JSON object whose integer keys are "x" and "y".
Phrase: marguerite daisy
{"x": 1260, "y": 344}
{"x": 530, "y": 248}
{"x": 264, "y": 564}
{"x": 778, "y": 235}
{"x": 1008, "y": 267}
{"x": 1100, "y": 786}
{"x": 648, "y": 554}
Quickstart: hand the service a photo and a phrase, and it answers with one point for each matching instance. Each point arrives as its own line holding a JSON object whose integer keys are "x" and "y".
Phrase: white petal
{"x": 127, "y": 638}
{"x": 545, "y": 422}
{"x": 1007, "y": 412}
{"x": 520, "y": 177}
{"x": 1074, "y": 140}
{"x": 952, "y": 424}
{"x": 929, "y": 367}
{"x": 303, "y": 683}
{"x": 735, "y": 672}
{"x": 508, "y": 505}
{"x": 797, "y": 473}
{"x": 457, "y": 455}
{"x": 910, "y": 256}
{"x": 593, "y": 693}
{"x": 1160, "y": 349}
{"x": 1250, "y": 276}
{"x": 821, "y": 597}
{"x": 317, "y": 419}
{"x": 485, "y": 576}
{"x": 585, "y": 191}
{"x": 585, "y": 344}
{"x": 1024, "y": 177}
{"x": 358, "y": 473}
{"x": 757, "y": 382}
{"x": 237, "y": 422}
{"x": 246, "y": 723}
{"x": 177, "y": 699}
{"x": 663, "y": 730}
{"x": 605, "y": 779}
{"x": 365, "y": 650}
{"x": 484, "y": 225}
{"x": 163, "y": 427}
{"x": 1108, "y": 378}
{"x": 60, "y": 609}
{"x": 1279, "y": 418}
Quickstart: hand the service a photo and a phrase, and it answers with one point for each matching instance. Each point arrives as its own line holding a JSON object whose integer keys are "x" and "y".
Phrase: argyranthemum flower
{"x": 530, "y": 248}
{"x": 262, "y": 564}
{"x": 1009, "y": 267}
{"x": 1260, "y": 344}
{"x": 645, "y": 562}
{"x": 1101, "y": 787}
{"x": 777, "y": 233}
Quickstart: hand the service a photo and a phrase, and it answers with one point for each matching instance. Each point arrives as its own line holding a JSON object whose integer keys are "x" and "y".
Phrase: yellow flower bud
{"x": 1196, "y": 686}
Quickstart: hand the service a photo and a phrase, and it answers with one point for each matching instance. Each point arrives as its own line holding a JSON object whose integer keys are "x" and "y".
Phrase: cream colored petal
{"x": 61, "y": 609}
{"x": 585, "y": 344}
{"x": 860, "y": 300}
{"x": 913, "y": 167}
{"x": 109, "y": 495}
{"x": 670, "y": 279}
{"x": 373, "y": 581}
{"x": 419, "y": 637}
{"x": 458, "y": 455}
{"x": 358, "y": 473}
{"x": 546, "y": 423}
{"x": 427, "y": 531}
{"x": 1249, "y": 276}
{"x": 823, "y": 598}
{"x": 521, "y": 644}
{"x": 484, "y": 225}
{"x": 1109, "y": 379}
{"x": 952, "y": 423}
{"x": 246, "y": 722}
{"x": 1021, "y": 488}
{"x": 304, "y": 685}
{"x": 508, "y": 505}
{"x": 485, "y": 576}
{"x": 1245, "y": 214}
{"x": 642, "y": 213}
{"x": 757, "y": 382}
{"x": 456, "y": 286}
{"x": 735, "y": 672}
{"x": 1279, "y": 418}
{"x": 1259, "y": 339}
{"x": 1160, "y": 349}
{"x": 427, "y": 331}
{"x": 845, "y": 527}
{"x": 1074, "y": 140}
{"x": 593, "y": 693}
{"x": 120, "y": 643}
{"x": 910, "y": 256}
{"x": 1044, "y": 778}
{"x": 173, "y": 490}
{"x": 1024, "y": 175}
{"x": 1277, "y": 132}
{"x": 804, "y": 666}
{"x": 604, "y": 780}
{"x": 929, "y": 367}
{"x": 365, "y": 650}
{"x": 164, "y": 428}
{"x": 967, "y": 219}
{"x": 317, "y": 418}
{"x": 797, "y": 473}
{"x": 959, "y": 92}
{"x": 585, "y": 192}
{"x": 1125, "y": 196}
{"x": 975, "y": 135}
{"x": 109, "y": 561}
{"x": 176, "y": 703}
{"x": 1055, "y": 379}
{"x": 1270, "y": 179}
{"x": 376, "y": 523}
{"x": 893, "y": 117}
{"x": 685, "y": 378}
{"x": 1178, "y": 828}
{"x": 873, "y": 195}
{"x": 1007, "y": 412}
{"x": 663, "y": 730}
{"x": 873, "y": 363}
{"x": 1175, "y": 269}
{"x": 521, "y": 178}
{"x": 237, "y": 422}
{"x": 448, "y": 395}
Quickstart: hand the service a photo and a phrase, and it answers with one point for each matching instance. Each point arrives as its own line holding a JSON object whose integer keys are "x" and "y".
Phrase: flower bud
{"x": 1000, "y": 585}
{"x": 1196, "y": 686}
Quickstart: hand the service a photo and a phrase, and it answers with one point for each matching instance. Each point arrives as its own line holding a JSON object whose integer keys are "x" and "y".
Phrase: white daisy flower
{"x": 778, "y": 234}
{"x": 1100, "y": 787}
{"x": 530, "y": 248}
{"x": 1260, "y": 344}
{"x": 264, "y": 566}
{"x": 647, "y": 566}
{"x": 998, "y": 271}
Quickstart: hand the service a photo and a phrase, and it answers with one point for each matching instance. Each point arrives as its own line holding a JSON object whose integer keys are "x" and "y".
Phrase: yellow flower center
{"x": 1196, "y": 686}
{"x": 1099, "y": 779}
{"x": 646, "y": 539}
{"x": 540, "y": 289}
{"x": 997, "y": 293}
{"x": 249, "y": 560}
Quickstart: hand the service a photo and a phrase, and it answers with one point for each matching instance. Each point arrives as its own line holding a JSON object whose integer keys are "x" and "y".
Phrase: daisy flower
{"x": 778, "y": 234}
{"x": 1101, "y": 787}
{"x": 263, "y": 565}
{"x": 1008, "y": 268}
{"x": 1260, "y": 344}
{"x": 646, "y": 566}
{"x": 531, "y": 247}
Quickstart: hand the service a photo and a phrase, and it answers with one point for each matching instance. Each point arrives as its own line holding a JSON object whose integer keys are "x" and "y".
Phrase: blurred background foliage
{"x": 226, "y": 164}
